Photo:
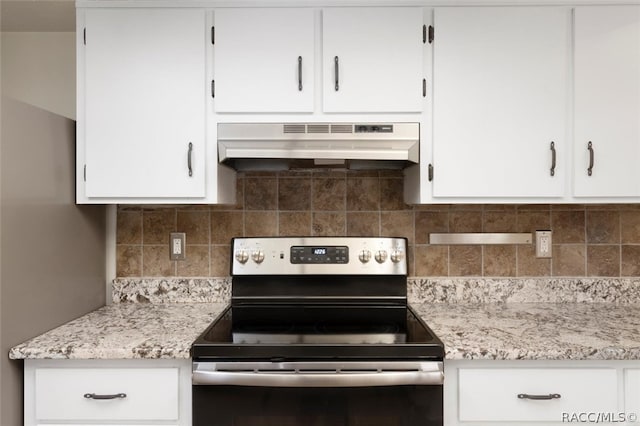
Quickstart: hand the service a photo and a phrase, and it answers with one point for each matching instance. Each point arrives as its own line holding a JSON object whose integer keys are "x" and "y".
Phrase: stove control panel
{"x": 316, "y": 254}
{"x": 319, "y": 255}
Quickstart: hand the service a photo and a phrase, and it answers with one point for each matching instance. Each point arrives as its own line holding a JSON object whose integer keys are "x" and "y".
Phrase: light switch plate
{"x": 543, "y": 244}
{"x": 177, "y": 246}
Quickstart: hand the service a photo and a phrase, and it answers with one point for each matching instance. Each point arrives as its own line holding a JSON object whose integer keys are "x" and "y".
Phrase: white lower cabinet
{"x": 551, "y": 393}
{"x": 114, "y": 392}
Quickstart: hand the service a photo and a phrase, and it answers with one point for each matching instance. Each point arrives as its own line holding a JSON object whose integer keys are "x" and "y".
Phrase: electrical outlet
{"x": 177, "y": 246}
{"x": 543, "y": 244}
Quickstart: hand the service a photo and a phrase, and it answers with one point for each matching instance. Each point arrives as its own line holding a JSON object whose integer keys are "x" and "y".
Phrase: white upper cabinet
{"x": 500, "y": 101}
{"x": 372, "y": 59}
{"x": 607, "y": 101}
{"x": 144, "y": 102}
{"x": 264, "y": 60}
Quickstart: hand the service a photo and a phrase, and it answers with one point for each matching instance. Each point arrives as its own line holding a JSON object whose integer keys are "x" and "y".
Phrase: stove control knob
{"x": 364, "y": 256}
{"x": 257, "y": 256}
{"x": 242, "y": 256}
{"x": 381, "y": 256}
{"x": 397, "y": 256}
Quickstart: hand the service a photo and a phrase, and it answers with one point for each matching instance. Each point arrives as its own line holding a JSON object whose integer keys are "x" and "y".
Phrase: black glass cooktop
{"x": 282, "y": 332}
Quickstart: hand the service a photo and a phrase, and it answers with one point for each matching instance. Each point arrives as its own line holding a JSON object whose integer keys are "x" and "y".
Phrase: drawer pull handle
{"x": 539, "y": 397}
{"x": 98, "y": 396}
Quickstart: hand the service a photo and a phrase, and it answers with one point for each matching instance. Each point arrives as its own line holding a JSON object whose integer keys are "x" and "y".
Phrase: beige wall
{"x": 39, "y": 68}
{"x": 53, "y": 251}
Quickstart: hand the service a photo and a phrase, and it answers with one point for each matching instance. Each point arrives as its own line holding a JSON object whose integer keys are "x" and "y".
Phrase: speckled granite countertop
{"x": 536, "y": 331}
{"x": 121, "y": 331}
{"x": 469, "y": 331}
{"x": 572, "y": 319}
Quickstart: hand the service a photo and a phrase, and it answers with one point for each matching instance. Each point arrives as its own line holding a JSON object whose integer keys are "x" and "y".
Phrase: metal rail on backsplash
{"x": 481, "y": 238}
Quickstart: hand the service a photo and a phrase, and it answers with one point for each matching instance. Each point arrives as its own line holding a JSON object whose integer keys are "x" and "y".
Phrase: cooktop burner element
{"x": 317, "y": 298}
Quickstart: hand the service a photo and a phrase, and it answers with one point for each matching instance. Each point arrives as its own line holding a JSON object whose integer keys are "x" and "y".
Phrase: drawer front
{"x": 151, "y": 394}
{"x": 492, "y": 394}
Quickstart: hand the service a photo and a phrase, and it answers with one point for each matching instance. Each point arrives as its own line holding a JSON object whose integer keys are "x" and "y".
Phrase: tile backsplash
{"x": 588, "y": 241}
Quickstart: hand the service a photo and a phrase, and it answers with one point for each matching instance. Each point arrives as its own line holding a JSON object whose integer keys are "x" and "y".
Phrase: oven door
{"x": 317, "y": 394}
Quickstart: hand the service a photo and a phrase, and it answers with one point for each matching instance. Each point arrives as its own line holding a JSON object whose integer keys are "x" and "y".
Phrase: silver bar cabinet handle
{"x": 111, "y": 396}
{"x": 590, "y": 148}
{"x": 539, "y": 397}
{"x": 300, "y": 73}
{"x": 336, "y": 72}
{"x": 553, "y": 158}
{"x": 189, "y": 159}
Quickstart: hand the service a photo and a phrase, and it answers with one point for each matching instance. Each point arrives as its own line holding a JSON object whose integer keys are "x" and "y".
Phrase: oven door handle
{"x": 320, "y": 379}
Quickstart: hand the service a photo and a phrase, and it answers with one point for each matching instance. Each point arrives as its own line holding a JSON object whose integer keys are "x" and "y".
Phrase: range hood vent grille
{"x": 317, "y": 128}
{"x": 294, "y": 128}
{"x": 341, "y": 128}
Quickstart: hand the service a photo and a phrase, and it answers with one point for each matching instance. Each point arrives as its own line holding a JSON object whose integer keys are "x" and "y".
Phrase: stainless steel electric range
{"x": 318, "y": 333}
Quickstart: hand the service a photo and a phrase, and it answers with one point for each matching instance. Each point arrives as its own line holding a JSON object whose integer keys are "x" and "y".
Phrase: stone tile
{"x": 499, "y": 207}
{"x": 362, "y": 173}
{"x": 630, "y": 261}
{"x": 630, "y": 226}
{"x": 156, "y": 262}
{"x": 363, "y": 224}
{"x": 329, "y": 173}
{"x": 533, "y": 207}
{"x": 529, "y": 265}
{"x": 329, "y": 224}
{"x": 603, "y": 227}
{"x": 294, "y": 223}
{"x": 564, "y": 207}
{"x": 295, "y": 173}
{"x": 411, "y": 262}
{"x": 392, "y": 194}
{"x": 220, "y": 258}
{"x": 196, "y": 226}
{"x": 466, "y": 207}
{"x": 499, "y": 221}
{"x": 603, "y": 261}
{"x": 465, "y": 261}
{"x": 129, "y": 227}
{"x": 431, "y": 261}
{"x": 569, "y": 260}
{"x": 294, "y": 194}
{"x": 465, "y": 221}
{"x": 397, "y": 224}
{"x": 427, "y": 222}
{"x": 432, "y": 207}
{"x": 568, "y": 226}
{"x": 226, "y": 225}
{"x": 128, "y": 261}
{"x": 499, "y": 261}
{"x": 260, "y": 224}
{"x": 261, "y": 193}
{"x": 603, "y": 207}
{"x": 363, "y": 193}
{"x": 329, "y": 194}
{"x": 157, "y": 225}
{"x": 530, "y": 221}
{"x": 196, "y": 263}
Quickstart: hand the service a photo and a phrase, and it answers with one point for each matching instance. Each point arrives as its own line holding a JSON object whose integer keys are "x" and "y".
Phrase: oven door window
{"x": 343, "y": 406}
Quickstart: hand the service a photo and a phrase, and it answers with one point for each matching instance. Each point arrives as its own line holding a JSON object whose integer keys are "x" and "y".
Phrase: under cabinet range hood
{"x": 277, "y": 146}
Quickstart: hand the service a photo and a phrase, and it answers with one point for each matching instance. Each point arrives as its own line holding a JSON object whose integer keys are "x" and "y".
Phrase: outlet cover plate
{"x": 543, "y": 244}
{"x": 177, "y": 246}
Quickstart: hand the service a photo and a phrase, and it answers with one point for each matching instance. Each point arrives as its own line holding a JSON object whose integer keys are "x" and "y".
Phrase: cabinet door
{"x": 372, "y": 59}
{"x": 500, "y": 100}
{"x": 607, "y": 101}
{"x": 144, "y": 102}
{"x": 632, "y": 391}
{"x": 264, "y": 60}
{"x": 507, "y": 394}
